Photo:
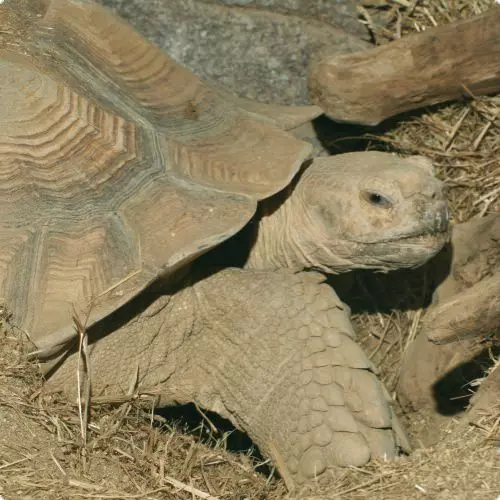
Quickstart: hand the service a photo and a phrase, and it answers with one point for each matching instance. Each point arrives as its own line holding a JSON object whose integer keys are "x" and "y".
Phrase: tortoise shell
{"x": 117, "y": 165}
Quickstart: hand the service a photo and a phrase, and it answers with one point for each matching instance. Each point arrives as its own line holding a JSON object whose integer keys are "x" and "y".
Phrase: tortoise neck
{"x": 276, "y": 243}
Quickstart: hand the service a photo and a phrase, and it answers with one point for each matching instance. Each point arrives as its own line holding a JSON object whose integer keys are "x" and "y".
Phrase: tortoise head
{"x": 360, "y": 210}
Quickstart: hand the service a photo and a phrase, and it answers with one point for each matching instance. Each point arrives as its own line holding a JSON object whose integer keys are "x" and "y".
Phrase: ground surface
{"x": 128, "y": 451}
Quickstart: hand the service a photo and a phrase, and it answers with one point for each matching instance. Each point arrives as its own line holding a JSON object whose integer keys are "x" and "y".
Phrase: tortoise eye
{"x": 377, "y": 199}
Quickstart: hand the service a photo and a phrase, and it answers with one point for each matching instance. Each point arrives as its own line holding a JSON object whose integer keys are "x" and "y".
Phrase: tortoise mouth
{"x": 428, "y": 237}
{"x": 407, "y": 251}
{"x": 428, "y": 243}
{"x": 424, "y": 237}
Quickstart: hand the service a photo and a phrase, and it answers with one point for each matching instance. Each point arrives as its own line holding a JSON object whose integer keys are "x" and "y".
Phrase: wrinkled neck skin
{"x": 284, "y": 235}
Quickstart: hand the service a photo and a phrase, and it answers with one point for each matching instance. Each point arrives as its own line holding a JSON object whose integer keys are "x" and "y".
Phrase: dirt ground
{"x": 132, "y": 451}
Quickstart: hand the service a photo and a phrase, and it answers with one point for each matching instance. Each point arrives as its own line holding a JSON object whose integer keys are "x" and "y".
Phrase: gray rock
{"x": 339, "y": 13}
{"x": 256, "y": 54}
{"x": 237, "y": 2}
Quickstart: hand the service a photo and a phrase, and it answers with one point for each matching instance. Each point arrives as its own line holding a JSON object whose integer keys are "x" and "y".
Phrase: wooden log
{"x": 440, "y": 64}
{"x": 472, "y": 313}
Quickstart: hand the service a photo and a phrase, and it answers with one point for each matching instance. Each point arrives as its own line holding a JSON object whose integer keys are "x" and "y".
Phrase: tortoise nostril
{"x": 433, "y": 190}
{"x": 434, "y": 193}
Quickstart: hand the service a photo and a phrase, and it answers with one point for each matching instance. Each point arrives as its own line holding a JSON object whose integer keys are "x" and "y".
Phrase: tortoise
{"x": 121, "y": 169}
{"x": 276, "y": 69}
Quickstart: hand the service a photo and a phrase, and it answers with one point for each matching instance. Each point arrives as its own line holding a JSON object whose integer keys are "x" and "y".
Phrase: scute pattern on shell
{"x": 117, "y": 165}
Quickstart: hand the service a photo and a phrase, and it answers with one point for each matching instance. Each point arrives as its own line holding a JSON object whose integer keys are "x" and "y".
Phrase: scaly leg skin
{"x": 271, "y": 351}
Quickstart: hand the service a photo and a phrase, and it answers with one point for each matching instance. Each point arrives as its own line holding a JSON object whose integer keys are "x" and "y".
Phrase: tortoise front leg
{"x": 271, "y": 351}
